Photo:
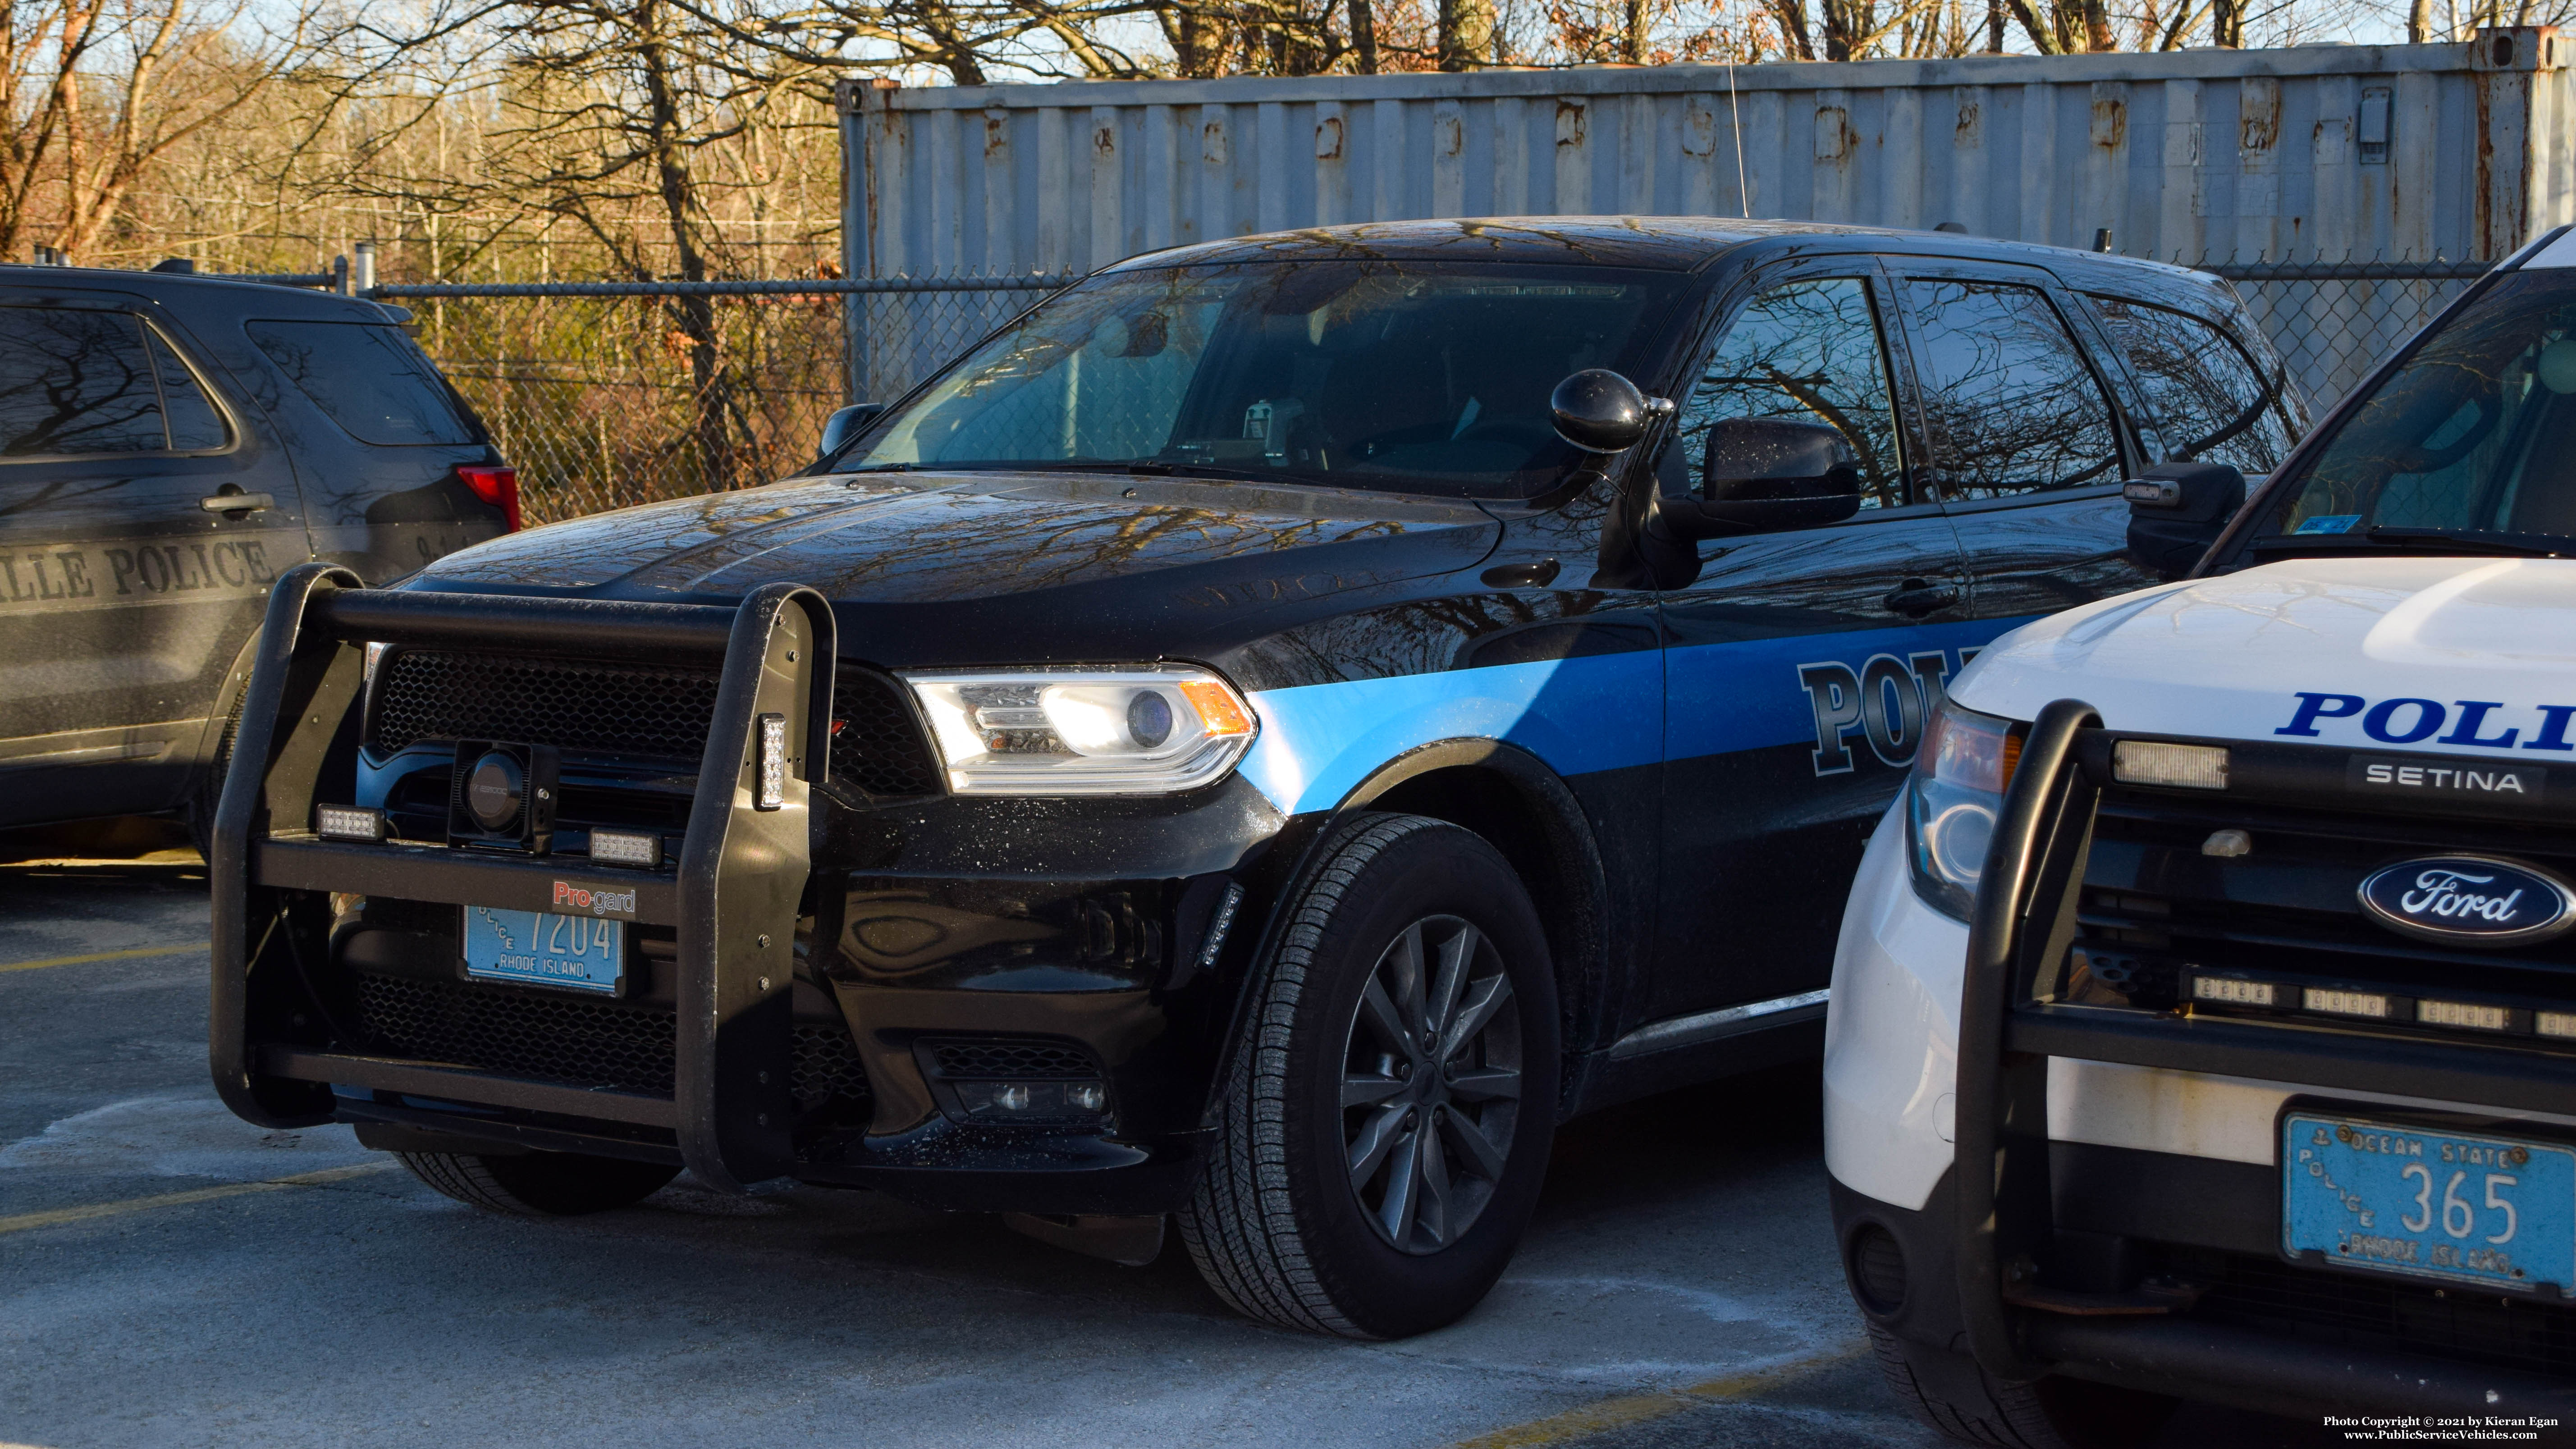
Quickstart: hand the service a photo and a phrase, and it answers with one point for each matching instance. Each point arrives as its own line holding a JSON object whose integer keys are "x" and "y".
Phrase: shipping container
{"x": 2320, "y": 152}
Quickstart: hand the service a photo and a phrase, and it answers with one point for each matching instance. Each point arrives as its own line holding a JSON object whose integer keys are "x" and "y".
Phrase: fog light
{"x": 1032, "y": 1101}
{"x": 2345, "y": 1003}
{"x": 2231, "y": 992}
{"x": 2462, "y": 1013}
{"x": 626, "y": 847}
{"x": 773, "y": 762}
{"x": 2181, "y": 767}
{"x": 348, "y": 822}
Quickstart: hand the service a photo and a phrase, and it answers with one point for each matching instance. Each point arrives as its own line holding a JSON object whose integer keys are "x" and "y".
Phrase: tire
{"x": 539, "y": 1184}
{"x": 198, "y": 812}
{"x": 1279, "y": 1224}
{"x": 1951, "y": 1394}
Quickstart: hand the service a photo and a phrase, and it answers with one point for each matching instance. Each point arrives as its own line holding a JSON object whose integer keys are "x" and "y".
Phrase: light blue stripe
{"x": 1319, "y": 741}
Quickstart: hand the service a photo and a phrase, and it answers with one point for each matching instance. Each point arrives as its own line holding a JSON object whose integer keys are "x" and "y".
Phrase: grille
{"x": 982, "y": 1060}
{"x": 2153, "y": 901}
{"x": 875, "y": 744}
{"x": 2358, "y": 1313}
{"x": 520, "y": 1033}
{"x": 431, "y": 694}
{"x": 588, "y": 1043}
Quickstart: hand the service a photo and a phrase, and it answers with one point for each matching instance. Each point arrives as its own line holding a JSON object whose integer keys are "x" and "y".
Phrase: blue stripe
{"x": 1729, "y": 697}
{"x": 1601, "y": 712}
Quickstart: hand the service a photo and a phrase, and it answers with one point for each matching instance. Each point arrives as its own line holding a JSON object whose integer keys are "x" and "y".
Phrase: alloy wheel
{"x": 1431, "y": 1084}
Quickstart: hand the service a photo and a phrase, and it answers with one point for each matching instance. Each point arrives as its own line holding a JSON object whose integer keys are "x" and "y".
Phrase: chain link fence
{"x": 2332, "y": 322}
{"x": 607, "y": 394}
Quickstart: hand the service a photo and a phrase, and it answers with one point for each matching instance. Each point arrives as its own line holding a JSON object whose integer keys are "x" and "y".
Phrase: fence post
{"x": 854, "y": 99}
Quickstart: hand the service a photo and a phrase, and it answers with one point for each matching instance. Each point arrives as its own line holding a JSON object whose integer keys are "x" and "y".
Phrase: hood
{"x": 929, "y": 538}
{"x": 2433, "y": 654}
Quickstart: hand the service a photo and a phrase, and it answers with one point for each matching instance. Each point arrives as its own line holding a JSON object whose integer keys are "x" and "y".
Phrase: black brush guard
{"x": 733, "y": 898}
{"x": 2019, "y": 1330}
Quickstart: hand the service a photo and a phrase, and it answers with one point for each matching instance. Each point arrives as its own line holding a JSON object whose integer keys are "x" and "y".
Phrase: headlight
{"x": 1146, "y": 730}
{"x": 1952, "y": 801}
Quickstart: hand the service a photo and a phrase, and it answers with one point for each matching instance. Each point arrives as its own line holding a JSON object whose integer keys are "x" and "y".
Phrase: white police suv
{"x": 2204, "y": 1016}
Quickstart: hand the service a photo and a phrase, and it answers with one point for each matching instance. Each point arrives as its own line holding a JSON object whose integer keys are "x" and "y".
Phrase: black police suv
{"x": 170, "y": 445}
{"x": 1257, "y": 742}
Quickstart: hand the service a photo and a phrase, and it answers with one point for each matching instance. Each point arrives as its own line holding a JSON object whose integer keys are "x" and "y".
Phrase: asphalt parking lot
{"x": 170, "y": 1275}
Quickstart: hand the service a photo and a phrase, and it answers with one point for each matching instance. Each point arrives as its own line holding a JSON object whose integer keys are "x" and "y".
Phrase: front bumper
{"x": 813, "y": 991}
{"x": 2085, "y": 1227}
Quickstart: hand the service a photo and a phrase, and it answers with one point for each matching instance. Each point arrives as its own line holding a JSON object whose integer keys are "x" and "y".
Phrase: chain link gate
{"x": 606, "y": 394}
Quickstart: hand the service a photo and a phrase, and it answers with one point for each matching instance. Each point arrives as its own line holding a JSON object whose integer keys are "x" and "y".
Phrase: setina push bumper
{"x": 526, "y": 976}
{"x": 2042, "y": 1256}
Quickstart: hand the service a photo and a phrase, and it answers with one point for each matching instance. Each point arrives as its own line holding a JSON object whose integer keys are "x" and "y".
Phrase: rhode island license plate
{"x": 544, "y": 950}
{"x": 2497, "y": 1211}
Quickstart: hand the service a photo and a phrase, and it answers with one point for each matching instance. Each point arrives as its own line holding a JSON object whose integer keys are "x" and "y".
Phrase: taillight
{"x": 496, "y": 486}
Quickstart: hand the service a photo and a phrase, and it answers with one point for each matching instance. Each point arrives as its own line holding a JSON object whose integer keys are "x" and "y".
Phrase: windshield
{"x": 2477, "y": 432}
{"x": 1394, "y": 376}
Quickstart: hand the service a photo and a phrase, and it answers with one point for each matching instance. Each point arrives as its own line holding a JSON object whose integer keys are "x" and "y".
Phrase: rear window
{"x": 2213, "y": 402}
{"x": 372, "y": 379}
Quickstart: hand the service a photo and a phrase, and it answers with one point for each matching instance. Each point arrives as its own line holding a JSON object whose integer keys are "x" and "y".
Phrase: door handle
{"x": 1918, "y": 597}
{"x": 1521, "y": 575}
{"x": 237, "y": 502}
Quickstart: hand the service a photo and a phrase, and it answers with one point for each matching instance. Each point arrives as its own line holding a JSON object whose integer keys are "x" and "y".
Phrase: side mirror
{"x": 2177, "y": 510}
{"x": 1599, "y": 411}
{"x": 1758, "y": 475}
{"x": 843, "y": 425}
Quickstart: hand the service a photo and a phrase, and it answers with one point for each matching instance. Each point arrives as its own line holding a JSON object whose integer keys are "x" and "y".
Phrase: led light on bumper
{"x": 348, "y": 822}
{"x": 2179, "y": 767}
{"x": 1147, "y": 730}
{"x": 626, "y": 847}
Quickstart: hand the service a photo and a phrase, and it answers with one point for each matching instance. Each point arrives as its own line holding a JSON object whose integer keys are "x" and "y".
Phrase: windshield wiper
{"x": 2384, "y": 538}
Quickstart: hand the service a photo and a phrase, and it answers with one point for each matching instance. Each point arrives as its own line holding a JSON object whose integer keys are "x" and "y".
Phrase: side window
{"x": 2007, "y": 398}
{"x": 2208, "y": 395}
{"x": 371, "y": 378}
{"x": 76, "y": 382}
{"x": 195, "y": 425}
{"x": 1808, "y": 352}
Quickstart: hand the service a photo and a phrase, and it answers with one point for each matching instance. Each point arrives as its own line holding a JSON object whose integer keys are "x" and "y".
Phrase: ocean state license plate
{"x": 544, "y": 950}
{"x": 2496, "y": 1211}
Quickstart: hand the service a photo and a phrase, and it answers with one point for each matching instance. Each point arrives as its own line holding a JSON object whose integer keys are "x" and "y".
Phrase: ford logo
{"x": 2469, "y": 900}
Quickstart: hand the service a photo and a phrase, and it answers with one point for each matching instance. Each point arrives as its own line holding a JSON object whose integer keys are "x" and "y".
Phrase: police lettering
{"x": 1886, "y": 701}
{"x": 2407, "y": 720}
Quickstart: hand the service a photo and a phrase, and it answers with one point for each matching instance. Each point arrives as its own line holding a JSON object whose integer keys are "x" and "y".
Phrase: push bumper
{"x": 756, "y": 945}
{"x": 2147, "y": 1269}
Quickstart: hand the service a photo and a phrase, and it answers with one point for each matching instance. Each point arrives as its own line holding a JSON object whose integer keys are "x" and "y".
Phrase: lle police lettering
{"x": 2407, "y": 720}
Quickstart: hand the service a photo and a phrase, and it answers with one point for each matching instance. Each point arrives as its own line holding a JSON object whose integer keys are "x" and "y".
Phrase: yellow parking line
{"x": 58, "y": 1216}
{"x": 136, "y": 954}
{"x": 1630, "y": 1409}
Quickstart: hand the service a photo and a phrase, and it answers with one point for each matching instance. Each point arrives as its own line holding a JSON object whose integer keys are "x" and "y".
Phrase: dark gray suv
{"x": 169, "y": 445}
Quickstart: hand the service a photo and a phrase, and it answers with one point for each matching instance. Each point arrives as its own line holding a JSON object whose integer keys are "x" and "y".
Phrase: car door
{"x": 1799, "y": 663}
{"x": 2022, "y": 438}
{"x": 141, "y": 521}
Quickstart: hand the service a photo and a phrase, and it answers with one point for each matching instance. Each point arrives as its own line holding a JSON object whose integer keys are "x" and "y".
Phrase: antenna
{"x": 1735, "y": 114}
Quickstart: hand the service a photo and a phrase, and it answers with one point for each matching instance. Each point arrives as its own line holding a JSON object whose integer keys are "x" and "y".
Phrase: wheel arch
{"x": 1524, "y": 809}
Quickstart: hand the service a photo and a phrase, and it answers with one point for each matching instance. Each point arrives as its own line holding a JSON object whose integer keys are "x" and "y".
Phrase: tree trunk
{"x": 2419, "y": 22}
{"x": 1466, "y": 33}
{"x": 1632, "y": 48}
{"x": 711, "y": 387}
{"x": 1793, "y": 24}
{"x": 1364, "y": 34}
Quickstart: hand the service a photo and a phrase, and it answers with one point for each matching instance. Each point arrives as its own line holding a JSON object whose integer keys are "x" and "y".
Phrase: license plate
{"x": 545, "y": 950}
{"x": 2497, "y": 1211}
